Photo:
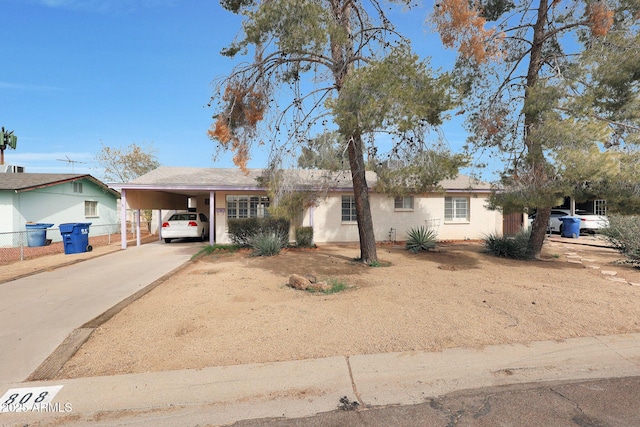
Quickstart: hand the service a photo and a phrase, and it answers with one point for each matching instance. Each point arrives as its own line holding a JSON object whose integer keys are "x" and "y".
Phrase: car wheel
{"x": 561, "y": 229}
{"x": 167, "y": 240}
{"x": 202, "y": 238}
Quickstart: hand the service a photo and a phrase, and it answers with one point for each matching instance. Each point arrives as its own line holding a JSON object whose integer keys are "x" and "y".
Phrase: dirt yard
{"x": 228, "y": 309}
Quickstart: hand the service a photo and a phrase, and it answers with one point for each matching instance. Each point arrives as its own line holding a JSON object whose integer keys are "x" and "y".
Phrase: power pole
{"x": 7, "y": 139}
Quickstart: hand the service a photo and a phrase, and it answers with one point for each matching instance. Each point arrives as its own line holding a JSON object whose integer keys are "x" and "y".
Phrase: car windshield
{"x": 183, "y": 217}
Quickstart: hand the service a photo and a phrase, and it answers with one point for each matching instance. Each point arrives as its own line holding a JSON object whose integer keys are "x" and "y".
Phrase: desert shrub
{"x": 243, "y": 231}
{"x": 304, "y": 237}
{"x": 514, "y": 247}
{"x": 421, "y": 239}
{"x": 624, "y": 235}
{"x": 267, "y": 243}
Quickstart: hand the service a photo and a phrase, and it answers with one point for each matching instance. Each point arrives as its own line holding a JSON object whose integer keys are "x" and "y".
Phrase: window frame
{"x": 77, "y": 187}
{"x": 450, "y": 204}
{"x": 243, "y": 206}
{"x": 402, "y": 201}
{"x": 87, "y": 209}
{"x": 350, "y": 216}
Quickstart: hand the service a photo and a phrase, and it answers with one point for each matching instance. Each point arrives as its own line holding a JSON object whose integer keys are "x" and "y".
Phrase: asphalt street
{"x": 601, "y": 403}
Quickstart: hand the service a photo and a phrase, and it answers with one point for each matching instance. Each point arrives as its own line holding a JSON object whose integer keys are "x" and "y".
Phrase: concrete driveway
{"x": 38, "y": 312}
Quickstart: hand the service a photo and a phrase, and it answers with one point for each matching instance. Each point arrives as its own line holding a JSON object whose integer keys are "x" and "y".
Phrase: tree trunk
{"x": 538, "y": 231}
{"x": 342, "y": 54}
{"x": 535, "y": 152}
{"x": 368, "y": 253}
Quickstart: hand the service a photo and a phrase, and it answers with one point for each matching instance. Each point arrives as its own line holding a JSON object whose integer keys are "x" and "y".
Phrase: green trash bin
{"x": 75, "y": 236}
{"x": 37, "y": 234}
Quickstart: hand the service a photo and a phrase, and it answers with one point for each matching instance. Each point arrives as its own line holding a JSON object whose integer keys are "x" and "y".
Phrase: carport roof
{"x": 186, "y": 179}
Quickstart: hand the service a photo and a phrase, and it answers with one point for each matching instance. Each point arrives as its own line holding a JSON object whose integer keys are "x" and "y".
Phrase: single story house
{"x": 459, "y": 212}
{"x": 51, "y": 198}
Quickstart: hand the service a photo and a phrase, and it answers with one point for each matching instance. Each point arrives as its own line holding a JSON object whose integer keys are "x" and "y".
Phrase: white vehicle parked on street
{"x": 188, "y": 225}
{"x": 589, "y": 222}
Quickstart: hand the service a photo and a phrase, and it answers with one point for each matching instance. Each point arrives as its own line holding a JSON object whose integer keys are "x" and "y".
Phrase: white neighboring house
{"x": 55, "y": 199}
{"x": 459, "y": 212}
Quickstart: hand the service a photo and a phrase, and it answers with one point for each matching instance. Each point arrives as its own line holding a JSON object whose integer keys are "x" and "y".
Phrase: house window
{"x": 348, "y": 209}
{"x": 77, "y": 187}
{"x": 247, "y": 206}
{"x": 600, "y": 207}
{"x": 90, "y": 208}
{"x": 456, "y": 209}
{"x": 403, "y": 203}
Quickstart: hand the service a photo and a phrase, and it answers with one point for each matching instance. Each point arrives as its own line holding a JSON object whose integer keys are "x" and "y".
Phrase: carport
{"x": 169, "y": 188}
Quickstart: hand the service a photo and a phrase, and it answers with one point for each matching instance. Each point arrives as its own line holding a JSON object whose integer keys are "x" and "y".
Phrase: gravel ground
{"x": 227, "y": 309}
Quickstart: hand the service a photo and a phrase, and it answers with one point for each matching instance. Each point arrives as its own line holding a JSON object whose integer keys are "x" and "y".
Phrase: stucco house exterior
{"x": 457, "y": 213}
{"x": 55, "y": 199}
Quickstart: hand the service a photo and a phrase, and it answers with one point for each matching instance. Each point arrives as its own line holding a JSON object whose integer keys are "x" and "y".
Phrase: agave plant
{"x": 267, "y": 243}
{"x": 421, "y": 239}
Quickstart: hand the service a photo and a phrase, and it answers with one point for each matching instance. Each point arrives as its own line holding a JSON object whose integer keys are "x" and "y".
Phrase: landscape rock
{"x": 311, "y": 278}
{"x": 299, "y": 282}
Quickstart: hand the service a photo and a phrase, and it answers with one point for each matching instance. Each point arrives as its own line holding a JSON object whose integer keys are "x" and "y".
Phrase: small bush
{"x": 624, "y": 235}
{"x": 266, "y": 244}
{"x": 304, "y": 237}
{"x": 421, "y": 239}
{"x": 243, "y": 231}
{"x": 515, "y": 247}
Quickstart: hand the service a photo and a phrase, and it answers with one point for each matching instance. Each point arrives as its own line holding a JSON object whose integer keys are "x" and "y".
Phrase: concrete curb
{"x": 226, "y": 394}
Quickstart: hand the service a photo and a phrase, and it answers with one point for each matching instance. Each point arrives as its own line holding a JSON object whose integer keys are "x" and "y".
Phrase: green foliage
{"x": 242, "y": 231}
{"x": 291, "y": 204}
{"x": 420, "y": 173}
{"x": 297, "y": 25}
{"x": 335, "y": 286}
{"x": 216, "y": 248}
{"x": 304, "y": 237}
{"x": 493, "y": 9}
{"x": 624, "y": 234}
{"x": 398, "y": 92}
{"x": 327, "y": 151}
{"x": 421, "y": 239}
{"x": 266, "y": 243}
{"x": 514, "y": 247}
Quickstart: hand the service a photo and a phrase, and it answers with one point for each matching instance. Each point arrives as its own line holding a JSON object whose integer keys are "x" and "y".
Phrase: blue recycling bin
{"x": 37, "y": 234}
{"x": 570, "y": 226}
{"x": 75, "y": 236}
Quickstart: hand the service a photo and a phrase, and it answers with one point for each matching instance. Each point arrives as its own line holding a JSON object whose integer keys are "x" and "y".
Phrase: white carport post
{"x": 123, "y": 218}
{"x": 212, "y": 217}
{"x": 138, "y": 242}
{"x": 311, "y": 216}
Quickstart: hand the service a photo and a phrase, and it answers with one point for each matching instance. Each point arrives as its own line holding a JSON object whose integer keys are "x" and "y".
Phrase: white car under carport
{"x": 189, "y": 225}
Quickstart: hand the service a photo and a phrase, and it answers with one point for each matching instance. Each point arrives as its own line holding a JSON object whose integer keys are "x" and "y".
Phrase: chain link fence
{"x": 14, "y": 245}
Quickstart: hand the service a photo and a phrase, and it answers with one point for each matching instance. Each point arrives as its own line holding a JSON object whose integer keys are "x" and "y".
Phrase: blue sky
{"x": 77, "y": 74}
